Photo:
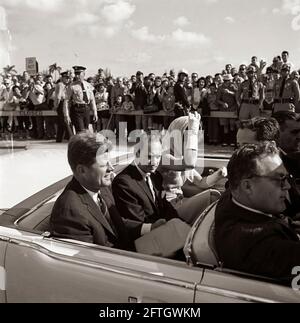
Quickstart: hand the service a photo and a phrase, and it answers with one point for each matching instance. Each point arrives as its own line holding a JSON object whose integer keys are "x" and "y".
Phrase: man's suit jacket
{"x": 254, "y": 243}
{"x": 133, "y": 196}
{"x": 292, "y": 165}
{"x": 76, "y": 216}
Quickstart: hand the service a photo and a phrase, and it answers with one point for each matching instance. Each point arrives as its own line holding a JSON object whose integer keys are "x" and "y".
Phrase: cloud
{"x": 82, "y": 18}
{"x": 211, "y": 1}
{"x": 41, "y": 5}
{"x": 291, "y": 7}
{"x": 181, "y": 21}
{"x": 229, "y": 20}
{"x": 138, "y": 58}
{"x": 186, "y": 38}
{"x": 118, "y": 11}
{"x": 143, "y": 34}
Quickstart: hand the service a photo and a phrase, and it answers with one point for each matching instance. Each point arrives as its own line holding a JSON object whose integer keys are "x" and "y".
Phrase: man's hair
{"x": 243, "y": 163}
{"x": 146, "y": 138}
{"x": 283, "y": 116}
{"x": 266, "y": 129}
{"x": 84, "y": 147}
{"x": 285, "y": 52}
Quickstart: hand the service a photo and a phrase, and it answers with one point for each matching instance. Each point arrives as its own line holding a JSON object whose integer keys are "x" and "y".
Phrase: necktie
{"x": 250, "y": 90}
{"x": 85, "y": 98}
{"x": 150, "y": 185}
{"x": 103, "y": 207}
{"x": 282, "y": 88}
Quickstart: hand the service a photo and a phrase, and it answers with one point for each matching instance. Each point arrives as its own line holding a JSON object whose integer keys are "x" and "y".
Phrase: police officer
{"x": 286, "y": 91}
{"x": 250, "y": 96}
{"x": 59, "y": 97}
{"x": 79, "y": 100}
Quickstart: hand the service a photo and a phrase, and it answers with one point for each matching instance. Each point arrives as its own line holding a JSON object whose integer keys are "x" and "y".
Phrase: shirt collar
{"x": 93, "y": 195}
{"x": 143, "y": 174}
{"x": 249, "y": 208}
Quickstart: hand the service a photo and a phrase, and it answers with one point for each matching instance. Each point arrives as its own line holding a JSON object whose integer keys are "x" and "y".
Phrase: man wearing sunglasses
{"x": 251, "y": 234}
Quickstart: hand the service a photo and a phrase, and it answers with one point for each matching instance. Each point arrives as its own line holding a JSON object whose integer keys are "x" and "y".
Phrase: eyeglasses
{"x": 282, "y": 179}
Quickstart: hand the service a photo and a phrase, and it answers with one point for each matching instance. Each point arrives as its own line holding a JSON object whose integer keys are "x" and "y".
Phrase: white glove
{"x": 194, "y": 122}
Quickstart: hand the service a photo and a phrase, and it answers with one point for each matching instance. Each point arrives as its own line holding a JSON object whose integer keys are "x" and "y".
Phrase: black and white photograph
{"x": 149, "y": 153}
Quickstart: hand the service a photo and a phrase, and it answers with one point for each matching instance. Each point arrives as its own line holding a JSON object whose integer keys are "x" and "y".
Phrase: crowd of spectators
{"x": 219, "y": 92}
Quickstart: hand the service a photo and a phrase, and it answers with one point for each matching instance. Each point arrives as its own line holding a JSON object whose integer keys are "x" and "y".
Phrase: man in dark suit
{"x": 137, "y": 188}
{"x": 86, "y": 210}
{"x": 251, "y": 234}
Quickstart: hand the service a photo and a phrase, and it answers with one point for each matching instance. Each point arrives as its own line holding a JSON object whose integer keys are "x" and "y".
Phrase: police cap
{"x": 65, "y": 74}
{"x": 79, "y": 69}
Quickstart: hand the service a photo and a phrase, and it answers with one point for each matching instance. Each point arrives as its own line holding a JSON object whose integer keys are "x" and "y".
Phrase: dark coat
{"x": 180, "y": 95}
{"x": 133, "y": 197}
{"x": 76, "y": 216}
{"x": 292, "y": 165}
{"x": 254, "y": 243}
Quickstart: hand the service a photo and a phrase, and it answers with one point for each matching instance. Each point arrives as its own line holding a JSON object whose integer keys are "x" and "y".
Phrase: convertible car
{"x": 35, "y": 267}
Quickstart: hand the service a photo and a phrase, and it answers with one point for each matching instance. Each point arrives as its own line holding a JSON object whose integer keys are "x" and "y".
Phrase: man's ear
{"x": 247, "y": 185}
{"x": 80, "y": 169}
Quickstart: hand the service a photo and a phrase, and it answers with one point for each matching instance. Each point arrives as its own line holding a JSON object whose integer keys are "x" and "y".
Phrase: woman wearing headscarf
{"x": 179, "y": 158}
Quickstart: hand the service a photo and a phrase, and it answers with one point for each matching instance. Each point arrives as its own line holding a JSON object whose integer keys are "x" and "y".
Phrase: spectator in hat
{"x": 79, "y": 101}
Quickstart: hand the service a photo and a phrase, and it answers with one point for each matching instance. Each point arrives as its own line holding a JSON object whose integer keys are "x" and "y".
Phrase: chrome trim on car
{"x": 16, "y": 223}
{"x": 132, "y": 273}
{"x": 232, "y": 294}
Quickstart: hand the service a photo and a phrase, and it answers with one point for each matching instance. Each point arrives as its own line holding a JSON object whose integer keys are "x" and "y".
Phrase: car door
{"x": 3, "y": 245}
{"x": 47, "y": 270}
{"x": 219, "y": 286}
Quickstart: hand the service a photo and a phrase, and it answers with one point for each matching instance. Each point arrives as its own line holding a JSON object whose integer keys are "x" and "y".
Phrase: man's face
{"x": 66, "y": 79}
{"x": 290, "y": 136}
{"x": 228, "y": 68}
{"x": 269, "y": 189}
{"x": 98, "y": 174}
{"x": 284, "y": 57}
{"x": 79, "y": 75}
{"x": 284, "y": 73}
{"x": 150, "y": 156}
{"x": 245, "y": 136}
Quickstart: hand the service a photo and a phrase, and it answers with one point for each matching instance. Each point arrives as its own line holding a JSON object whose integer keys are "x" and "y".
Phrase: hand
{"x": 262, "y": 64}
{"x": 158, "y": 223}
{"x": 95, "y": 118}
{"x": 225, "y": 105}
{"x": 67, "y": 119}
{"x": 222, "y": 172}
{"x": 194, "y": 122}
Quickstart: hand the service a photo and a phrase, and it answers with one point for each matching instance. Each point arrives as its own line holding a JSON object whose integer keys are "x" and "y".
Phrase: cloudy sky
{"x": 151, "y": 35}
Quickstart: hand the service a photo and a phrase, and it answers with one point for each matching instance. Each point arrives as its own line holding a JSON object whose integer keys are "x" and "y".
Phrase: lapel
{"x": 93, "y": 209}
{"x": 142, "y": 183}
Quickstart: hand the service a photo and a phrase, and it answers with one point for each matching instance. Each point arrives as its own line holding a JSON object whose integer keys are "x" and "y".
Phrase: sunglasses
{"x": 282, "y": 179}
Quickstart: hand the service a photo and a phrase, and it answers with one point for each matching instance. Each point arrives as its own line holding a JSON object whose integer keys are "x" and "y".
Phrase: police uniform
{"x": 79, "y": 99}
{"x": 251, "y": 94}
{"x": 63, "y": 128}
{"x": 227, "y": 94}
{"x": 286, "y": 94}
